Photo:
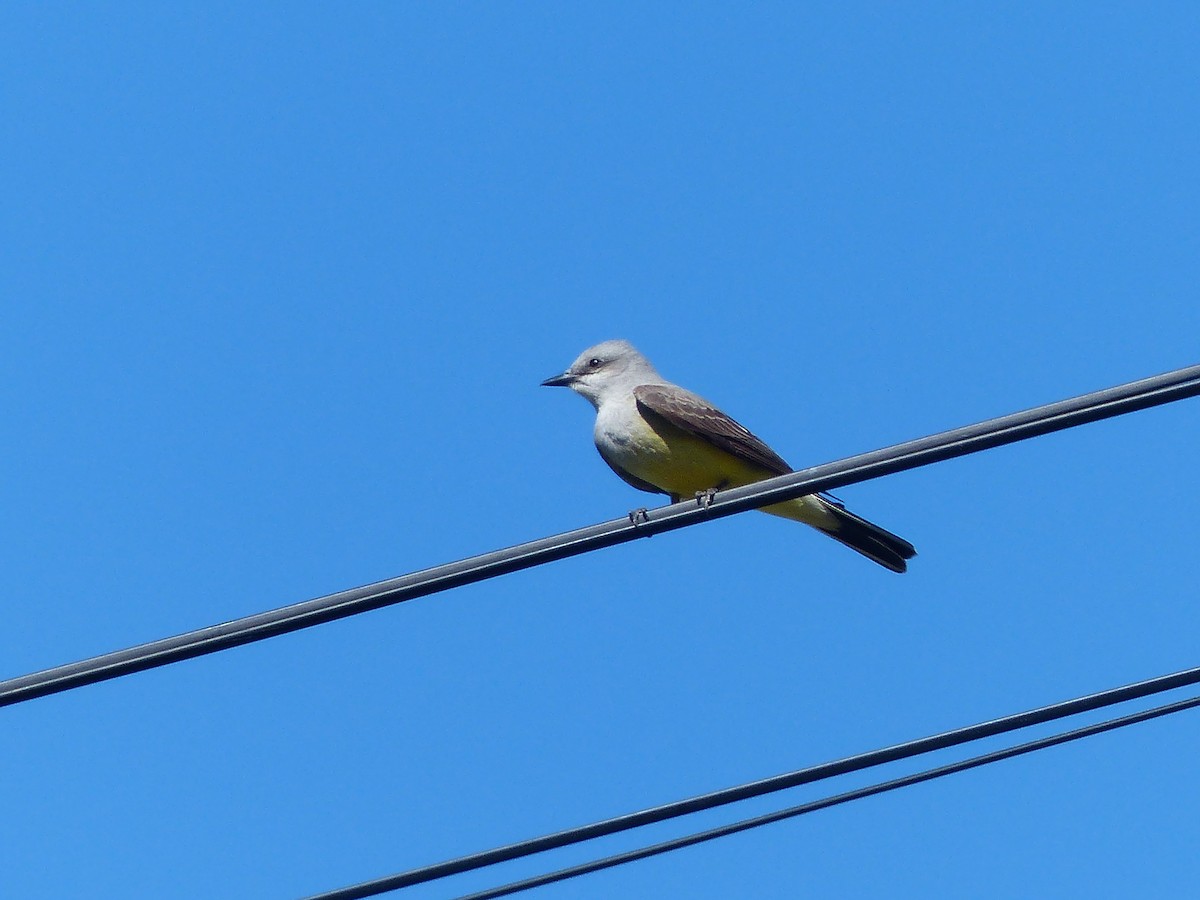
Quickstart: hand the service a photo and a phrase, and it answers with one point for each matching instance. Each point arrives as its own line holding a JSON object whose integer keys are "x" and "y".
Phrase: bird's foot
{"x": 704, "y": 499}
{"x": 638, "y": 516}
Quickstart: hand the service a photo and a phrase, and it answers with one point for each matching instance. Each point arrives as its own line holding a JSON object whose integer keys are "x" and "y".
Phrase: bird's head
{"x": 609, "y": 366}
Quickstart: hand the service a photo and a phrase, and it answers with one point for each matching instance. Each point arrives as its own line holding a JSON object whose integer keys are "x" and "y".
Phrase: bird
{"x": 662, "y": 438}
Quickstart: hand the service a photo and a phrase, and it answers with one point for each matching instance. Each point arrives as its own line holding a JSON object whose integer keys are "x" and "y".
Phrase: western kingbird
{"x": 664, "y": 439}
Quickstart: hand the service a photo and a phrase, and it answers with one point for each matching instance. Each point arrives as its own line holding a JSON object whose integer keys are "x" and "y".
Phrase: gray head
{"x": 612, "y": 365}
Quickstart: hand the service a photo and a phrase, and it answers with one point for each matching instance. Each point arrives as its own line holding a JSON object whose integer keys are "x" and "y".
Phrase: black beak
{"x": 563, "y": 380}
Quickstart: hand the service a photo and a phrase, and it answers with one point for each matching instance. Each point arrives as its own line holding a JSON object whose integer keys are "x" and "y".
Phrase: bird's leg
{"x": 704, "y": 498}
{"x": 639, "y": 515}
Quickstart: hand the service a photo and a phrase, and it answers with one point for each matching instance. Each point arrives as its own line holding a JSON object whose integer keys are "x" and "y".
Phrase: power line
{"x": 1166, "y": 388}
{"x": 836, "y": 800}
{"x": 776, "y": 783}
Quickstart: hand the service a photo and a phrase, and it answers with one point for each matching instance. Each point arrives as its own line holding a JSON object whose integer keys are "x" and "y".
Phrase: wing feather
{"x": 694, "y": 415}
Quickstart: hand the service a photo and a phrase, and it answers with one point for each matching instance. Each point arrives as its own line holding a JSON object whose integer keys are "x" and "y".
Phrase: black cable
{"x": 766, "y": 786}
{"x": 1091, "y": 407}
{"x": 826, "y": 802}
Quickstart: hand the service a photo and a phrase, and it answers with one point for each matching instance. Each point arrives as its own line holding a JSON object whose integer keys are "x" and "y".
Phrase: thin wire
{"x": 1166, "y": 388}
{"x": 787, "y": 780}
{"x": 826, "y": 802}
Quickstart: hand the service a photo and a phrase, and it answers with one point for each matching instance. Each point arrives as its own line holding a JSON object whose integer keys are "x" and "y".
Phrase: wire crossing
{"x": 1092, "y": 407}
{"x": 810, "y": 775}
{"x": 836, "y": 800}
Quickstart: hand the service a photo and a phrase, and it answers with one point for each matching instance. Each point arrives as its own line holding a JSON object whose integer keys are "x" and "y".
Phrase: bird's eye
{"x": 595, "y": 362}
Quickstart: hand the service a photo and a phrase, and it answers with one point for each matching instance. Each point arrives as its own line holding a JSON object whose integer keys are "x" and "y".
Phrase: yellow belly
{"x": 681, "y": 464}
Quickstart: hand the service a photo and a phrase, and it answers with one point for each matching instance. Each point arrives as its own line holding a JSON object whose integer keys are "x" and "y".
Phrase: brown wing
{"x": 692, "y": 414}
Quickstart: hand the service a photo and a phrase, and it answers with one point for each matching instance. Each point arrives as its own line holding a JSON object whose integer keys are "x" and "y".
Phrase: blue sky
{"x": 280, "y": 282}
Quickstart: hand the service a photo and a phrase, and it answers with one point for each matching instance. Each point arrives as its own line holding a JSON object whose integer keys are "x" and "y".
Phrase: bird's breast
{"x": 672, "y": 460}
{"x": 624, "y": 437}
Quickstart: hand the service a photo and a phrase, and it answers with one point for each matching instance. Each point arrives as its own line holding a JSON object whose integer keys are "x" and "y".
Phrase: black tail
{"x": 873, "y": 542}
